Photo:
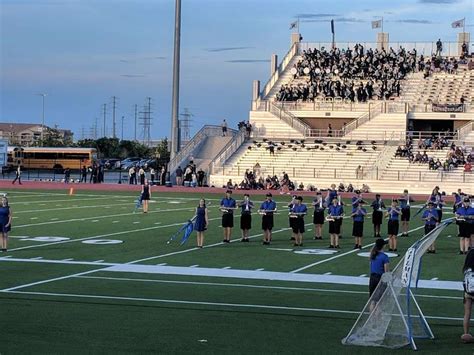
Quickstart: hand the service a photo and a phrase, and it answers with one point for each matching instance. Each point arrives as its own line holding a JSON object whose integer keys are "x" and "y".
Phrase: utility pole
{"x": 104, "y": 111}
{"x": 146, "y": 121}
{"x": 113, "y": 116}
{"x": 135, "y": 135}
{"x": 123, "y": 118}
{"x": 42, "y": 120}
{"x": 184, "y": 127}
{"x": 175, "y": 100}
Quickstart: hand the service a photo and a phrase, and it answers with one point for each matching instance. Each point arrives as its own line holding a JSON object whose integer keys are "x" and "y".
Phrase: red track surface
{"x": 44, "y": 185}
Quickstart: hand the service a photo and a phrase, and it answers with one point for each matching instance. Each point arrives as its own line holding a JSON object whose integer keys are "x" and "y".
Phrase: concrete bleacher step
{"x": 386, "y": 124}
{"x": 265, "y": 124}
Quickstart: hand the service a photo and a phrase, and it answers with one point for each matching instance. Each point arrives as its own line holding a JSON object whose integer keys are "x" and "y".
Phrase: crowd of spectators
{"x": 456, "y": 156}
{"x": 190, "y": 176}
{"x": 245, "y": 126}
{"x": 356, "y": 74}
{"x": 360, "y": 74}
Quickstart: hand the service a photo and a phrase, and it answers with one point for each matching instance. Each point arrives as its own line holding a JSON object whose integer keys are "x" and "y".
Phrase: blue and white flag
{"x": 293, "y": 25}
{"x": 376, "y": 24}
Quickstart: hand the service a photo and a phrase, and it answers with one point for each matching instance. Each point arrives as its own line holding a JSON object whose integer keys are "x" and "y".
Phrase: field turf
{"x": 60, "y": 294}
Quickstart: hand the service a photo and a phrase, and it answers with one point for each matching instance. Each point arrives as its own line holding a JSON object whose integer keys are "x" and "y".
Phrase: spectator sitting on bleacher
{"x": 467, "y": 167}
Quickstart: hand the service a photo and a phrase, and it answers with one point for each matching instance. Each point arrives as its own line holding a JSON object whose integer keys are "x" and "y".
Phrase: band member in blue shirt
{"x": 393, "y": 214}
{"x": 358, "y": 214}
{"x": 356, "y": 199}
{"x": 335, "y": 215}
{"x": 405, "y": 202}
{"x": 465, "y": 218}
{"x": 379, "y": 264}
{"x": 318, "y": 216}
{"x": 291, "y": 221}
{"x": 297, "y": 213}
{"x": 331, "y": 195}
{"x": 377, "y": 215}
{"x": 5, "y": 223}
{"x": 458, "y": 201}
{"x": 246, "y": 217}
{"x": 430, "y": 217}
{"x": 267, "y": 208}
{"x": 228, "y": 205}
{"x": 437, "y": 199}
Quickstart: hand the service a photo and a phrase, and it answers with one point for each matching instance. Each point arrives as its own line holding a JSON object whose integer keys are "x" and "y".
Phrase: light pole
{"x": 42, "y": 121}
{"x": 123, "y": 118}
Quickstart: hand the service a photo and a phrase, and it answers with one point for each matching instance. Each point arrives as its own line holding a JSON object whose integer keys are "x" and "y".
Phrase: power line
{"x": 145, "y": 121}
{"x": 104, "y": 112}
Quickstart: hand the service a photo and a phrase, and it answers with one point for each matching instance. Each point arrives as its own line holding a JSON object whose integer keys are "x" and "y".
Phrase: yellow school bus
{"x": 51, "y": 158}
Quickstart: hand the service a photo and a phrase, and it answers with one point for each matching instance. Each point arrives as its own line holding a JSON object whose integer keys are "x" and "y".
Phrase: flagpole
{"x": 298, "y": 23}
{"x": 382, "y": 24}
{"x": 464, "y": 25}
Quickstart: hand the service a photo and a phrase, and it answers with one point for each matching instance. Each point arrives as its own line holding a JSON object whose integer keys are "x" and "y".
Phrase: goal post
{"x": 392, "y": 317}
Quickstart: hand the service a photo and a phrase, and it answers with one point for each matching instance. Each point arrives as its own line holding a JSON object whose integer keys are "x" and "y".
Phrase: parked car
{"x": 112, "y": 163}
{"x": 126, "y": 163}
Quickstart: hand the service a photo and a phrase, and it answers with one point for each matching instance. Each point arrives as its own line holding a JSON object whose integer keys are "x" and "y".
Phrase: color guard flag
{"x": 458, "y": 24}
{"x": 293, "y": 25}
{"x": 376, "y": 24}
{"x": 332, "y": 26}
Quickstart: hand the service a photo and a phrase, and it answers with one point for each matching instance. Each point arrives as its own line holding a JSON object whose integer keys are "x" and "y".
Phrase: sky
{"x": 81, "y": 53}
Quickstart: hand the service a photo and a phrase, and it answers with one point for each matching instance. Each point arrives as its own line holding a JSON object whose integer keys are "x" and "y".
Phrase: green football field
{"x": 85, "y": 274}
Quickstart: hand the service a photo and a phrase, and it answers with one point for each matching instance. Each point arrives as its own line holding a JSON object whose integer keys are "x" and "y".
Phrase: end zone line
{"x": 203, "y": 303}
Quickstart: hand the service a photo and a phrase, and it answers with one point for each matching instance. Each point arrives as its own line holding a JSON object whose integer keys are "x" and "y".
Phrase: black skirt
{"x": 465, "y": 229}
{"x": 318, "y": 217}
{"x": 377, "y": 218}
{"x": 358, "y": 229}
{"x": 405, "y": 214}
{"x": 298, "y": 225}
{"x": 335, "y": 227}
{"x": 246, "y": 221}
{"x": 227, "y": 220}
{"x": 429, "y": 228}
{"x": 267, "y": 222}
{"x": 392, "y": 227}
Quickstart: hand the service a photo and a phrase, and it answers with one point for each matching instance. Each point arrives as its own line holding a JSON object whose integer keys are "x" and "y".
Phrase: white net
{"x": 391, "y": 318}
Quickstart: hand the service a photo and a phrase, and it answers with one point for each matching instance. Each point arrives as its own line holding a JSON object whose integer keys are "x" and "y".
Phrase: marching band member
{"x": 377, "y": 215}
{"x": 438, "y": 203}
{"x": 318, "y": 216}
{"x": 356, "y": 199}
{"x": 267, "y": 208}
{"x": 465, "y": 219}
{"x": 291, "y": 221}
{"x": 336, "y": 213}
{"x": 228, "y": 205}
{"x": 358, "y": 214}
{"x": 430, "y": 217}
{"x": 458, "y": 202}
{"x": 405, "y": 201}
{"x": 246, "y": 217}
{"x": 331, "y": 195}
{"x": 393, "y": 213}
{"x": 297, "y": 213}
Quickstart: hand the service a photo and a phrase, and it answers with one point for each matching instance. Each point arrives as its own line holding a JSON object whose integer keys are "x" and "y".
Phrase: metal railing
{"x": 205, "y": 131}
{"x": 307, "y": 173}
{"x": 281, "y": 68}
{"x": 373, "y": 111}
{"x": 289, "y": 118}
{"x": 463, "y": 131}
{"x": 450, "y": 49}
{"x": 226, "y": 152}
{"x": 417, "y": 135}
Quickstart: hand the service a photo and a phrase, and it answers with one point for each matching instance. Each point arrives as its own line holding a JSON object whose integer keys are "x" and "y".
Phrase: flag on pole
{"x": 376, "y": 24}
{"x": 458, "y": 24}
{"x": 293, "y": 25}
{"x": 332, "y": 26}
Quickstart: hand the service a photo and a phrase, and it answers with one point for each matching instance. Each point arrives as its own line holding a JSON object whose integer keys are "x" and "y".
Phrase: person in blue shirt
{"x": 358, "y": 214}
{"x": 377, "y": 215}
{"x": 318, "y": 216}
{"x": 335, "y": 215}
{"x": 331, "y": 195}
{"x": 228, "y": 205}
{"x": 437, "y": 199}
{"x": 393, "y": 214}
{"x": 246, "y": 217}
{"x": 356, "y": 199}
{"x": 291, "y": 221}
{"x": 430, "y": 217}
{"x": 458, "y": 200}
{"x": 267, "y": 208}
{"x": 379, "y": 264}
{"x": 5, "y": 223}
{"x": 405, "y": 202}
{"x": 465, "y": 218}
{"x": 297, "y": 213}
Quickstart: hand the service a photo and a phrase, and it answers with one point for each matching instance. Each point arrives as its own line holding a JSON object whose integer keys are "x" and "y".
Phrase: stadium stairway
{"x": 208, "y": 150}
{"x": 385, "y": 126}
{"x": 265, "y": 124}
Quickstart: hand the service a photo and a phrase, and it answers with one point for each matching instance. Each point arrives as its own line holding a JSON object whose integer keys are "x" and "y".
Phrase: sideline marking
{"x": 201, "y": 283}
{"x": 238, "y": 305}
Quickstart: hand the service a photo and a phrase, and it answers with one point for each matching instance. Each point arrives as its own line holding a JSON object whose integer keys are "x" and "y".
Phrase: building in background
{"x": 28, "y": 134}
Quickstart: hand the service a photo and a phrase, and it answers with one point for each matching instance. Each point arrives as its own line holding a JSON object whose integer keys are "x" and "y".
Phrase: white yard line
{"x": 214, "y": 304}
{"x": 266, "y": 287}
